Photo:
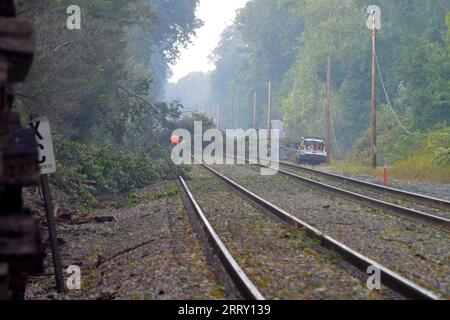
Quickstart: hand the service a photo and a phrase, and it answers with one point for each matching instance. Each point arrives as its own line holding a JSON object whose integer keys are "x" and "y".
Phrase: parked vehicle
{"x": 312, "y": 151}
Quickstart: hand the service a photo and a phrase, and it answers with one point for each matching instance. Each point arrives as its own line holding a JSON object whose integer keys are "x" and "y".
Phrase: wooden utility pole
{"x": 254, "y": 110}
{"x": 328, "y": 110}
{"x": 269, "y": 115}
{"x": 373, "y": 139}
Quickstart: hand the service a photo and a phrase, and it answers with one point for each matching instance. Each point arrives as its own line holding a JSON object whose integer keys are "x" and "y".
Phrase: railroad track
{"x": 413, "y": 198}
{"x": 391, "y": 279}
{"x": 243, "y": 284}
{"x": 364, "y": 199}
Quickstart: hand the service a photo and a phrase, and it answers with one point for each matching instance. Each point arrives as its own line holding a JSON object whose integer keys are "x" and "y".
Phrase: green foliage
{"x": 438, "y": 142}
{"x": 173, "y": 191}
{"x": 113, "y": 171}
{"x": 442, "y": 156}
{"x": 259, "y": 47}
{"x": 78, "y": 76}
{"x": 133, "y": 200}
{"x": 397, "y": 145}
{"x": 288, "y": 42}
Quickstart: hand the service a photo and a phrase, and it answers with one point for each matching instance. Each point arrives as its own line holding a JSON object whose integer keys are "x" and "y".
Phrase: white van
{"x": 312, "y": 151}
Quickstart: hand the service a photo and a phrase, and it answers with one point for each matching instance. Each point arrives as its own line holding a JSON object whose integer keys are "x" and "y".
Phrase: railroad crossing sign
{"x": 41, "y": 127}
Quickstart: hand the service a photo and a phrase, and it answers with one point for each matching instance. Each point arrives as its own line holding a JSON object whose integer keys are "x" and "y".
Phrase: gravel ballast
{"x": 382, "y": 195}
{"x": 283, "y": 264}
{"x": 168, "y": 261}
{"x": 416, "y": 251}
{"x": 433, "y": 189}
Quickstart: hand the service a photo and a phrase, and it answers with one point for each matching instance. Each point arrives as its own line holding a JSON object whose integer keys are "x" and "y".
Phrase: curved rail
{"x": 246, "y": 288}
{"x": 391, "y": 279}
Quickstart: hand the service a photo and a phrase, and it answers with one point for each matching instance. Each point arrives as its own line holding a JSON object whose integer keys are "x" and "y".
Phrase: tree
{"x": 78, "y": 78}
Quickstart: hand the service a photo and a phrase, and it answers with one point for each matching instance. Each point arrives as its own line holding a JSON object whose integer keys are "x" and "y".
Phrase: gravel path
{"x": 416, "y": 251}
{"x": 282, "y": 264}
{"x": 370, "y": 192}
{"x": 171, "y": 265}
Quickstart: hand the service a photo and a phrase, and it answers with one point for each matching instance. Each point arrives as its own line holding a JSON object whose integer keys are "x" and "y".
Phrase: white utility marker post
{"x": 47, "y": 164}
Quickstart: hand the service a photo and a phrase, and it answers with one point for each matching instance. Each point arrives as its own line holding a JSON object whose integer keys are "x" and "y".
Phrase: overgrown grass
{"x": 419, "y": 167}
{"x": 132, "y": 199}
{"x": 423, "y": 156}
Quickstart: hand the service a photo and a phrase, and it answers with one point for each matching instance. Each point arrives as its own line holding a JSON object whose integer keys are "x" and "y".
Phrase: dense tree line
{"x": 288, "y": 42}
{"x": 100, "y": 87}
{"x": 100, "y": 84}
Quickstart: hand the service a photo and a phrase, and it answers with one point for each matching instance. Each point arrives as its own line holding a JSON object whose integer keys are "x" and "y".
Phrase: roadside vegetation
{"x": 101, "y": 88}
{"x": 419, "y": 168}
{"x": 88, "y": 171}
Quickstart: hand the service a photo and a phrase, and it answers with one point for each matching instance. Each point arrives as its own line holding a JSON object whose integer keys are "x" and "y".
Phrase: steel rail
{"x": 411, "y": 214}
{"x": 391, "y": 279}
{"x": 244, "y": 285}
{"x": 432, "y": 201}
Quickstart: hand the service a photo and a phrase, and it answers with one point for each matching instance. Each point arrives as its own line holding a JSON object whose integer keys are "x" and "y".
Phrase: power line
{"x": 389, "y": 100}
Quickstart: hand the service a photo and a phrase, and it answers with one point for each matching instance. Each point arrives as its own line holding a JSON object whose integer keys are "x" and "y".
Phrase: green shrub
{"x": 442, "y": 157}
{"x": 398, "y": 145}
{"x": 114, "y": 171}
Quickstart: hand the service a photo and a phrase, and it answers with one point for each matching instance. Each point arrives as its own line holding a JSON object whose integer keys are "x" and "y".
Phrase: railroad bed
{"x": 257, "y": 241}
{"x": 281, "y": 263}
{"x": 419, "y": 202}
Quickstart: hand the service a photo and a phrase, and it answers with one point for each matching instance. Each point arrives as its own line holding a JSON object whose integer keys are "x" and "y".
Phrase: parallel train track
{"x": 243, "y": 284}
{"x": 432, "y": 202}
{"x": 399, "y": 210}
{"x": 391, "y": 279}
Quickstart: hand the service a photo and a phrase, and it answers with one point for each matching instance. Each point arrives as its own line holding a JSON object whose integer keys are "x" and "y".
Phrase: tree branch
{"x": 64, "y": 45}
{"x": 142, "y": 99}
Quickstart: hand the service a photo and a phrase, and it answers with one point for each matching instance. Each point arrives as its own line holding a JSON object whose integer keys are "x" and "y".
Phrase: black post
{"x": 52, "y": 234}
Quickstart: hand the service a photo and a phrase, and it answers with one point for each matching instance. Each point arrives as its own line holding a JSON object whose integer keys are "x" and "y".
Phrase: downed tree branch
{"x": 88, "y": 182}
{"x": 142, "y": 99}
{"x": 28, "y": 97}
{"x": 64, "y": 45}
{"x": 102, "y": 260}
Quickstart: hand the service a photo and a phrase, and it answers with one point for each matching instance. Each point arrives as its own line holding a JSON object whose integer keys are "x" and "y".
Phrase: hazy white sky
{"x": 216, "y": 15}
